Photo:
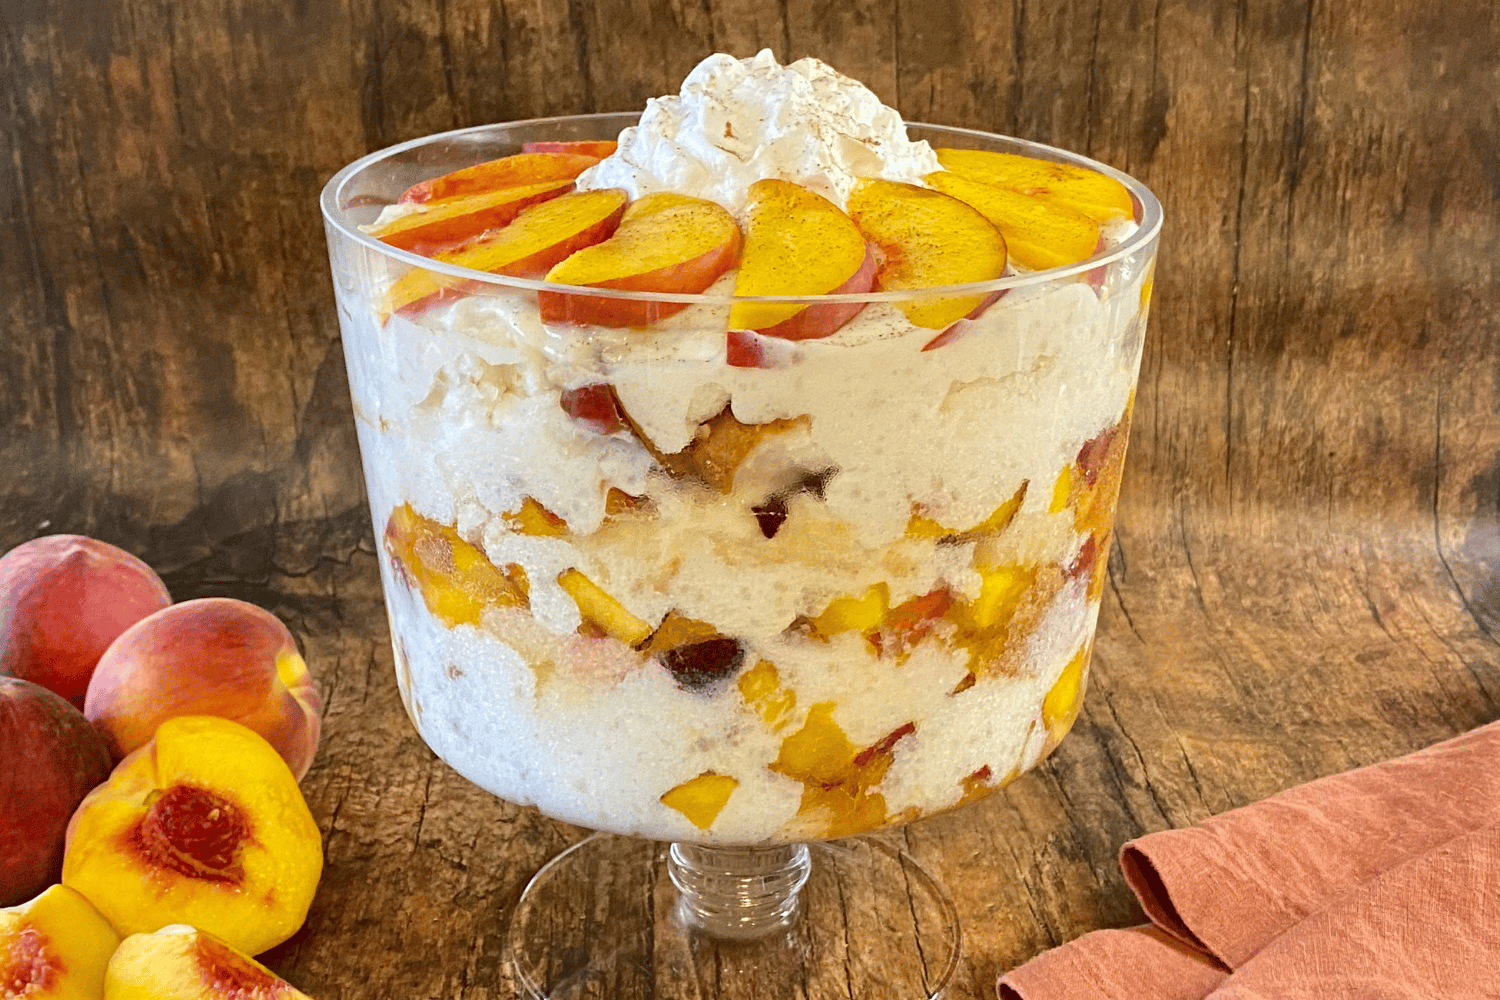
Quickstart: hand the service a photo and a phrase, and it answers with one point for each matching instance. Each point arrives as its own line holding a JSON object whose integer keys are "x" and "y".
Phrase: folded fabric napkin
{"x": 1382, "y": 882}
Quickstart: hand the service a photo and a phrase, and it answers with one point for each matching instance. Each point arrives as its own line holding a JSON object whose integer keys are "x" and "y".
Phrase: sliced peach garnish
{"x": 798, "y": 243}
{"x": 666, "y": 243}
{"x": 456, "y": 579}
{"x": 701, "y": 799}
{"x": 1101, "y": 198}
{"x": 538, "y": 239}
{"x": 448, "y": 221}
{"x": 602, "y": 610}
{"x": 1038, "y": 234}
{"x": 508, "y": 171}
{"x": 927, "y": 240}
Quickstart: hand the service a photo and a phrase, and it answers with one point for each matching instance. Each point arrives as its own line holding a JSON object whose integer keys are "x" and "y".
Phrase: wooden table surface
{"x": 1306, "y": 576}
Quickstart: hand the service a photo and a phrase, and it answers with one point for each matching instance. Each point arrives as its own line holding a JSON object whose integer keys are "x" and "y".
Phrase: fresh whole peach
{"x": 52, "y": 758}
{"x": 203, "y": 825}
{"x": 180, "y": 962}
{"x": 63, "y": 600}
{"x": 55, "y": 947}
{"x": 214, "y": 656}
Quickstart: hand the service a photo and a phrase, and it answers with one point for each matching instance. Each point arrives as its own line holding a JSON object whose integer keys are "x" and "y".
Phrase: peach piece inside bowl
{"x": 587, "y": 147}
{"x": 798, "y": 243}
{"x": 203, "y": 825}
{"x": 55, "y": 947}
{"x": 1038, "y": 234}
{"x": 63, "y": 600}
{"x": 666, "y": 243}
{"x": 539, "y": 239}
{"x": 180, "y": 962}
{"x": 446, "y": 222}
{"x": 214, "y": 656}
{"x": 529, "y": 167}
{"x": 1101, "y": 198}
{"x": 927, "y": 240}
{"x": 52, "y": 759}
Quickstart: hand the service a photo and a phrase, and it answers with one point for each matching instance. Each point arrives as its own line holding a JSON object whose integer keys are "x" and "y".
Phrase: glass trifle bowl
{"x": 725, "y": 572}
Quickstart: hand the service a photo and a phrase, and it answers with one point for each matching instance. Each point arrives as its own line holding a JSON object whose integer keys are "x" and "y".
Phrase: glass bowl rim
{"x": 1146, "y": 232}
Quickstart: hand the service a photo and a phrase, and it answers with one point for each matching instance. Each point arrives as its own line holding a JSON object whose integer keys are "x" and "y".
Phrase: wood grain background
{"x": 1307, "y": 570}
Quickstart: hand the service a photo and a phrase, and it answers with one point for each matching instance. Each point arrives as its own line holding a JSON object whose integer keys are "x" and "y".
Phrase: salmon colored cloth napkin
{"x": 1379, "y": 883}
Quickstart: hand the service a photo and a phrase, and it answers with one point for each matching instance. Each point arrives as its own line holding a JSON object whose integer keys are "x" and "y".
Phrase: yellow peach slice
{"x": 447, "y": 221}
{"x": 1101, "y": 198}
{"x": 55, "y": 947}
{"x": 922, "y": 526}
{"x": 179, "y": 962}
{"x": 798, "y": 243}
{"x": 1065, "y": 697}
{"x": 1038, "y": 234}
{"x": 528, "y": 167}
{"x": 539, "y": 238}
{"x": 457, "y": 580}
{"x": 536, "y": 520}
{"x": 602, "y": 610}
{"x": 203, "y": 825}
{"x": 701, "y": 799}
{"x": 666, "y": 243}
{"x": 927, "y": 240}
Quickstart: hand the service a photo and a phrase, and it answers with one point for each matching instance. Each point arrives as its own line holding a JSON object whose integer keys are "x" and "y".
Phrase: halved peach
{"x": 203, "y": 825}
{"x": 179, "y": 962}
{"x": 537, "y": 240}
{"x": 798, "y": 243}
{"x": 529, "y": 167}
{"x": 55, "y": 947}
{"x": 1038, "y": 234}
{"x": 1101, "y": 198}
{"x": 666, "y": 243}
{"x": 927, "y": 240}
{"x": 448, "y": 221}
{"x": 588, "y": 147}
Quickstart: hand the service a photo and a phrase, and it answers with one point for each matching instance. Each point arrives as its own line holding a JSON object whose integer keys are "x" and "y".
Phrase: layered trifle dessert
{"x": 746, "y": 476}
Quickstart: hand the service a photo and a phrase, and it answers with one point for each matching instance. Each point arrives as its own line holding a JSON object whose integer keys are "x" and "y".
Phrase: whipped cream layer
{"x": 738, "y": 121}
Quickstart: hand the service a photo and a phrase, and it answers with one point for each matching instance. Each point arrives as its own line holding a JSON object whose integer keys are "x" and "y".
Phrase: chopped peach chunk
{"x": 921, "y": 526}
{"x": 1060, "y": 706}
{"x": 837, "y": 777}
{"x": 602, "y": 610}
{"x": 865, "y": 613}
{"x": 701, "y": 799}
{"x": 457, "y": 581}
{"x": 762, "y": 690}
{"x": 927, "y": 240}
{"x": 534, "y": 519}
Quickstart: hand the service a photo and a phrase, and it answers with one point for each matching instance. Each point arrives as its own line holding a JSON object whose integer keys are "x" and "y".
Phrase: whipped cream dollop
{"x": 738, "y": 121}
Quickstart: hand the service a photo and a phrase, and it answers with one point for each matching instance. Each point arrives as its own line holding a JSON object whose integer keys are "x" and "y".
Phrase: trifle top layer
{"x": 737, "y": 121}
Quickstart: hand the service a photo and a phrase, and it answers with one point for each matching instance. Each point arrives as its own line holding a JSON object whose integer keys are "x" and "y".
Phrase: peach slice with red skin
{"x": 213, "y": 656}
{"x": 55, "y": 947}
{"x": 588, "y": 147}
{"x": 540, "y": 238}
{"x": 63, "y": 600}
{"x": 1096, "y": 195}
{"x": 203, "y": 825}
{"x": 666, "y": 243}
{"x": 798, "y": 243}
{"x": 529, "y": 167}
{"x": 595, "y": 406}
{"x": 179, "y": 962}
{"x": 445, "y": 222}
{"x": 1038, "y": 234}
{"x": 928, "y": 240}
{"x": 53, "y": 758}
